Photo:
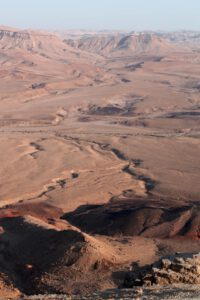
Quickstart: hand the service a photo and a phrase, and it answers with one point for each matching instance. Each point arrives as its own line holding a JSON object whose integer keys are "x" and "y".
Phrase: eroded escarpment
{"x": 139, "y": 217}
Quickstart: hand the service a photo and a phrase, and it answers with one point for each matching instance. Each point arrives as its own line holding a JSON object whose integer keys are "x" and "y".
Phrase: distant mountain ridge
{"x": 98, "y": 42}
{"x": 132, "y": 43}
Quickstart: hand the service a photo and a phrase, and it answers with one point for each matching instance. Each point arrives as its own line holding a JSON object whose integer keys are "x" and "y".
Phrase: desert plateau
{"x": 99, "y": 163}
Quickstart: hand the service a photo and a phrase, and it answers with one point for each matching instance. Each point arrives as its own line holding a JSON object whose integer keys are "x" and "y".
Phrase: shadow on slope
{"x": 139, "y": 217}
{"x": 40, "y": 258}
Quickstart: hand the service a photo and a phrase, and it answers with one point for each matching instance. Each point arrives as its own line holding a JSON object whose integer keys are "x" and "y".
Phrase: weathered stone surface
{"x": 182, "y": 268}
{"x": 152, "y": 293}
{"x": 166, "y": 263}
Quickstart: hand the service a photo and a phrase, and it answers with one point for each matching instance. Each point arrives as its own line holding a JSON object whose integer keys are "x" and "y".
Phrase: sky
{"x": 101, "y": 14}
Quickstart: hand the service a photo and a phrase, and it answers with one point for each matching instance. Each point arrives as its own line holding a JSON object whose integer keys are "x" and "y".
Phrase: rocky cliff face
{"x": 28, "y": 40}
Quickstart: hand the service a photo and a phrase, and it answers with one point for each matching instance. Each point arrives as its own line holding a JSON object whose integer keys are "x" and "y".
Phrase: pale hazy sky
{"x": 101, "y": 14}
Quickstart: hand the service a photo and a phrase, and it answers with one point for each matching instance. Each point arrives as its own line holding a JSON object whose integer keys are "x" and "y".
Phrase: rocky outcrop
{"x": 179, "y": 269}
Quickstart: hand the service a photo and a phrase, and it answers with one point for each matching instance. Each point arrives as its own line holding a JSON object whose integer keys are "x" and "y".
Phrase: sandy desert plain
{"x": 99, "y": 157}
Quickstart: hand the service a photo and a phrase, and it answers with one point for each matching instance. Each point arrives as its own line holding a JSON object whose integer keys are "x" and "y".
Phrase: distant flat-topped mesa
{"x": 28, "y": 40}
